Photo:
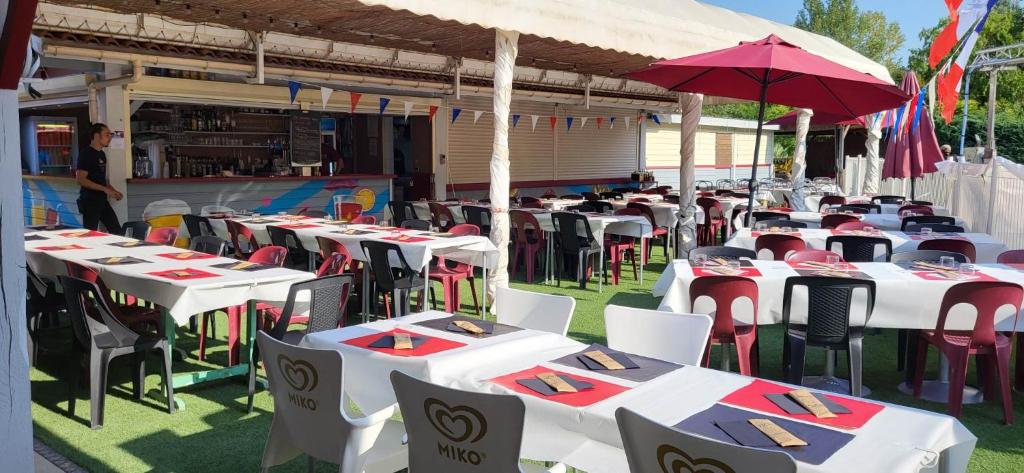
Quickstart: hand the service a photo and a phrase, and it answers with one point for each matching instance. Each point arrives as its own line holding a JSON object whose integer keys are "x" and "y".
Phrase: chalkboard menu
{"x": 305, "y": 139}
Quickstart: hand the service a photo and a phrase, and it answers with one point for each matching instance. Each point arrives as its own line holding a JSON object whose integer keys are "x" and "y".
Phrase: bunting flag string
{"x": 654, "y": 116}
{"x": 611, "y": 122}
{"x": 384, "y": 101}
{"x": 552, "y": 120}
{"x": 599, "y": 121}
{"x": 455, "y": 114}
{"x": 583, "y": 122}
{"x": 408, "y": 109}
{"x": 568, "y": 123}
{"x": 325, "y": 96}
{"x": 478, "y": 113}
{"x": 293, "y": 89}
{"x": 533, "y": 120}
{"x": 353, "y": 99}
{"x": 515, "y": 118}
{"x": 430, "y": 114}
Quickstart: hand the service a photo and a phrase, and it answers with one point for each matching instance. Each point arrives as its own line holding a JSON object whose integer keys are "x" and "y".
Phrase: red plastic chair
{"x": 780, "y": 245}
{"x": 834, "y": 220}
{"x": 441, "y": 216}
{"x": 529, "y": 241}
{"x": 850, "y": 226}
{"x": 642, "y": 200}
{"x": 268, "y": 255}
{"x": 963, "y": 247}
{"x": 724, "y": 290}
{"x": 830, "y": 200}
{"x": 914, "y": 208}
{"x": 449, "y": 276}
{"x": 238, "y": 233}
{"x": 364, "y": 220}
{"x": 714, "y": 221}
{"x": 1011, "y": 257}
{"x": 163, "y": 236}
{"x": 527, "y": 200}
{"x": 657, "y": 232}
{"x": 807, "y": 256}
{"x": 348, "y": 210}
{"x": 531, "y": 205}
{"x": 618, "y": 246}
{"x": 992, "y": 347}
{"x": 135, "y": 316}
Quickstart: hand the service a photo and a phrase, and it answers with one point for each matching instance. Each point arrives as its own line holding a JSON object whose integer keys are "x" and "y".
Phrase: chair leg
{"x": 168, "y": 381}
{"x": 901, "y": 349}
{"x": 743, "y": 348}
{"x": 797, "y": 347}
{"x": 252, "y": 378}
{"x": 1019, "y": 365}
{"x": 957, "y": 380}
{"x": 139, "y": 381}
{"x": 472, "y": 287}
{"x": 1002, "y": 362}
{"x": 855, "y": 352}
{"x": 202, "y": 333}
{"x": 919, "y": 362}
{"x": 97, "y": 388}
{"x": 234, "y": 334}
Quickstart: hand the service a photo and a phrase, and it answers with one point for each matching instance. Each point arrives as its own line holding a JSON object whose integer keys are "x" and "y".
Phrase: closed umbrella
{"x": 771, "y": 70}
{"x": 913, "y": 149}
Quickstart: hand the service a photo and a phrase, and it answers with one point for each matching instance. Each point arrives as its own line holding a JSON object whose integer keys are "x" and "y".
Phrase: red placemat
{"x": 61, "y": 247}
{"x": 407, "y": 239}
{"x": 747, "y": 272}
{"x": 186, "y": 255}
{"x": 933, "y": 276}
{"x": 184, "y": 274}
{"x": 296, "y": 226}
{"x": 752, "y": 396}
{"x": 757, "y": 234}
{"x": 598, "y": 393}
{"x": 83, "y": 234}
{"x": 387, "y": 229}
{"x": 429, "y": 347}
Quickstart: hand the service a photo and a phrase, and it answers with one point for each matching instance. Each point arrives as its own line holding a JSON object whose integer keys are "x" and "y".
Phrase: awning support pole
{"x": 690, "y": 106}
{"x": 506, "y": 49}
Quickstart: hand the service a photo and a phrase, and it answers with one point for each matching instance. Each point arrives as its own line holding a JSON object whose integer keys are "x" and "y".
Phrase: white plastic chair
{"x": 654, "y": 447}
{"x": 669, "y": 336}
{"x": 534, "y": 311}
{"x": 310, "y": 414}
{"x": 455, "y": 431}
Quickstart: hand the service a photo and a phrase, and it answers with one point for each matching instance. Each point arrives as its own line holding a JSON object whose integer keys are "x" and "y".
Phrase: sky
{"x": 912, "y": 15}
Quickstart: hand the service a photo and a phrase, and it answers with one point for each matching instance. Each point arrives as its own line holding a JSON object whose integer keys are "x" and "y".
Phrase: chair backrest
{"x": 858, "y": 225}
{"x": 669, "y": 336}
{"x": 270, "y": 255}
{"x": 590, "y": 196}
{"x": 208, "y": 244}
{"x": 779, "y": 244}
{"x": 198, "y": 226}
{"x": 137, "y": 229}
{"x": 583, "y": 207}
{"x": 964, "y": 247}
{"x": 916, "y": 209}
{"x": 85, "y": 273}
{"x": 571, "y": 197}
{"x": 364, "y": 220}
{"x": 379, "y": 255}
{"x": 924, "y": 219}
{"x": 724, "y": 291}
{"x": 830, "y": 200}
{"x": 936, "y": 227}
{"x": 759, "y": 215}
{"x": 646, "y": 210}
{"x": 400, "y": 211}
{"x": 306, "y": 384}
{"x": 601, "y": 206}
{"x": 1011, "y": 257}
{"x": 641, "y": 200}
{"x": 530, "y": 200}
{"x": 672, "y": 199}
{"x": 987, "y": 297}
{"x": 834, "y": 220}
{"x": 318, "y": 213}
{"x": 441, "y": 216}
{"x": 329, "y": 246}
{"x": 326, "y": 302}
{"x": 860, "y": 249}
{"x": 921, "y": 202}
{"x": 612, "y": 195}
{"x": 629, "y": 211}
{"x": 806, "y": 256}
{"x": 163, "y": 236}
{"x": 334, "y": 263}
{"x": 655, "y": 448}
{"x": 925, "y": 256}
{"x": 455, "y": 431}
{"x": 726, "y": 252}
{"x": 829, "y": 301}
{"x": 712, "y": 208}
{"x": 90, "y": 313}
{"x": 416, "y": 224}
{"x": 240, "y": 233}
{"x": 782, "y": 223}
{"x": 568, "y": 227}
{"x": 287, "y": 238}
{"x": 888, "y": 199}
{"x": 525, "y": 226}
{"x": 548, "y": 195}
{"x": 859, "y": 208}
{"x": 476, "y": 215}
{"x": 532, "y": 310}
{"x": 531, "y": 204}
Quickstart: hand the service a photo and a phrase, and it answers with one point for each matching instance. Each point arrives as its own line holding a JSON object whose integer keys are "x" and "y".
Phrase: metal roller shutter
{"x": 586, "y": 152}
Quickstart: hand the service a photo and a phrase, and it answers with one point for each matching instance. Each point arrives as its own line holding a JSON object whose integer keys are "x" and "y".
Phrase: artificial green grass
{"x": 214, "y": 434}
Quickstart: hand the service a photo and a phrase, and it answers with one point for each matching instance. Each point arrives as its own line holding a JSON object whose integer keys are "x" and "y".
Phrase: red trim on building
{"x": 13, "y": 38}
{"x": 477, "y": 186}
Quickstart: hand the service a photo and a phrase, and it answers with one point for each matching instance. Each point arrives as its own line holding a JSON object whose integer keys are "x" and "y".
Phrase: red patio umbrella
{"x": 771, "y": 70}
{"x": 912, "y": 151}
{"x": 789, "y": 120}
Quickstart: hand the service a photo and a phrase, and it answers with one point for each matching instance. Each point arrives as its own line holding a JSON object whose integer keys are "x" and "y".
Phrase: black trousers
{"x": 96, "y": 211}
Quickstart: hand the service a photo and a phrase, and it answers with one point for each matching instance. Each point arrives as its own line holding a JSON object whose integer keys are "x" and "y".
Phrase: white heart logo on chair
{"x": 458, "y": 424}
{"x": 674, "y": 460}
{"x": 299, "y": 374}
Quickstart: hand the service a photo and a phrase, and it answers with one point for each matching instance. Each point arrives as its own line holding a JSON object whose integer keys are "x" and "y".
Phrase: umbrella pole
{"x": 752, "y": 186}
{"x": 912, "y": 197}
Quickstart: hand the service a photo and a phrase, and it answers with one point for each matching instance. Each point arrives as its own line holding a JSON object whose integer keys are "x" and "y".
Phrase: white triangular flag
{"x": 583, "y": 122}
{"x": 533, "y": 122}
{"x": 627, "y": 122}
{"x": 325, "y": 95}
{"x": 408, "y": 109}
{"x": 476, "y": 115}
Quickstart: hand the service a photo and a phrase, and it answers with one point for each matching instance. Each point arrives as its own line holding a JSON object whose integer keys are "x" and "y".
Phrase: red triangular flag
{"x": 353, "y": 99}
{"x": 552, "y": 121}
{"x": 433, "y": 111}
{"x": 600, "y": 120}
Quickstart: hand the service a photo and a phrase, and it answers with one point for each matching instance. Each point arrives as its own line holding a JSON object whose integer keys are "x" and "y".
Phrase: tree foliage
{"x": 867, "y": 32}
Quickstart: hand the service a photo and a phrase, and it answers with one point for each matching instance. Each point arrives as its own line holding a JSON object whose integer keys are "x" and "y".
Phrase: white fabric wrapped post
{"x": 690, "y": 108}
{"x": 803, "y": 123}
{"x": 505, "y": 50}
{"x": 873, "y": 164}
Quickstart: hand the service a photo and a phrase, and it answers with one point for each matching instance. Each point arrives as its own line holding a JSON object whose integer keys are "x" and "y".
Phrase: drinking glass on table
{"x": 947, "y": 262}
{"x": 734, "y": 265}
{"x": 255, "y": 215}
{"x": 832, "y": 260}
{"x": 700, "y": 260}
{"x": 787, "y": 229}
{"x": 869, "y": 229}
{"x": 926, "y": 233}
{"x": 968, "y": 270}
{"x": 760, "y": 226}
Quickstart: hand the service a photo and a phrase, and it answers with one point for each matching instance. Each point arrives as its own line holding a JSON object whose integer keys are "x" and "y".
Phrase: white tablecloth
{"x": 898, "y": 439}
{"x": 902, "y": 299}
{"x": 665, "y": 214}
{"x": 181, "y": 298}
{"x": 813, "y": 220}
{"x": 987, "y": 247}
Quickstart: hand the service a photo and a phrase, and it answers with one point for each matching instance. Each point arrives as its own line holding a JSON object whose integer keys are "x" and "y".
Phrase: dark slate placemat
{"x": 35, "y": 237}
{"x": 353, "y": 232}
{"x": 542, "y": 388}
{"x": 133, "y": 244}
{"x": 820, "y": 272}
{"x": 648, "y": 368}
{"x": 822, "y": 443}
{"x": 231, "y": 266}
{"x": 442, "y": 325}
{"x": 787, "y": 404}
{"x": 41, "y": 228}
{"x": 123, "y": 260}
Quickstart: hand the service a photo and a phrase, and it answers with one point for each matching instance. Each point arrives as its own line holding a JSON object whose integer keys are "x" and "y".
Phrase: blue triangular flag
{"x": 384, "y": 101}
{"x": 455, "y": 114}
{"x": 917, "y": 111}
{"x": 656, "y": 119}
{"x": 515, "y": 120}
{"x": 293, "y": 89}
{"x": 568, "y": 123}
{"x": 611, "y": 122}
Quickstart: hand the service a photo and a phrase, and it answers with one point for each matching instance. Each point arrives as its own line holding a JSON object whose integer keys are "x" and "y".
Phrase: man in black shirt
{"x": 91, "y": 174}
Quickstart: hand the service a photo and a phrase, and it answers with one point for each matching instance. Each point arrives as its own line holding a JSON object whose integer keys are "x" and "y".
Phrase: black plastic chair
{"x": 572, "y": 197}
{"x": 314, "y": 213}
{"x": 888, "y": 199}
{"x": 827, "y": 326}
{"x": 601, "y": 206}
{"x": 726, "y": 252}
{"x": 575, "y": 248}
{"x": 779, "y": 222}
{"x": 859, "y": 249}
{"x": 99, "y": 338}
{"x": 584, "y": 207}
{"x": 198, "y": 226}
{"x": 416, "y": 224}
{"x": 612, "y": 195}
{"x": 479, "y": 216}
{"x": 919, "y": 202}
{"x": 926, "y": 219}
{"x": 759, "y": 215}
{"x": 137, "y": 229}
{"x": 42, "y": 306}
{"x": 671, "y": 199}
{"x": 210, "y": 245}
{"x": 624, "y": 190}
{"x": 590, "y": 196}
{"x": 860, "y": 208}
{"x": 936, "y": 227}
{"x": 327, "y": 298}
{"x": 402, "y": 211}
{"x": 298, "y": 255}
{"x": 400, "y": 281}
